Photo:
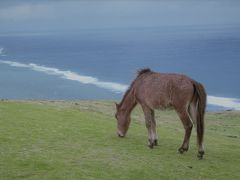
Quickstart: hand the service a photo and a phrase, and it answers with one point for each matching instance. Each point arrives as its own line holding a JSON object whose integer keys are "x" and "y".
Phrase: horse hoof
{"x": 150, "y": 143}
{"x": 200, "y": 155}
{"x": 155, "y": 143}
{"x": 182, "y": 150}
{"x": 150, "y": 146}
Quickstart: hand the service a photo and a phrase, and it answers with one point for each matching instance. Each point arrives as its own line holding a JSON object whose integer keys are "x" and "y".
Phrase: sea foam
{"x": 230, "y": 103}
{"x": 112, "y": 86}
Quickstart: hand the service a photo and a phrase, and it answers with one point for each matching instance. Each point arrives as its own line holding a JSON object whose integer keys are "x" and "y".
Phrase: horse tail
{"x": 200, "y": 98}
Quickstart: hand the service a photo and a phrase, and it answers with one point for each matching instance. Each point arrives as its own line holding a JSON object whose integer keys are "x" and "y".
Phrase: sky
{"x": 70, "y": 15}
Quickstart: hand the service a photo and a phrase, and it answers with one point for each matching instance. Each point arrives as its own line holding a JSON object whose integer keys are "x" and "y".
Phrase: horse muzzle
{"x": 120, "y": 134}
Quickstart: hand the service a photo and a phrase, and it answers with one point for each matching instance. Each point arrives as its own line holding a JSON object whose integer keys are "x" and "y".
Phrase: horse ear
{"x": 117, "y": 105}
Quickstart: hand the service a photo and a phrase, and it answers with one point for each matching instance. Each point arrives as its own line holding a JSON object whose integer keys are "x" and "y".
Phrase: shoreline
{"x": 70, "y": 103}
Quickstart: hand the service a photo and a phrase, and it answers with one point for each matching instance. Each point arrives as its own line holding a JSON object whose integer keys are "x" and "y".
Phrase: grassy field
{"x": 77, "y": 140}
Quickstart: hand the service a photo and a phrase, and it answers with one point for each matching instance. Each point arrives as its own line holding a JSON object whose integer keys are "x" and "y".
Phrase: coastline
{"x": 94, "y": 104}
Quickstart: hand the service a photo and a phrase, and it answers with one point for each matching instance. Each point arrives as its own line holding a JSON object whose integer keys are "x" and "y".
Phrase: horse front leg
{"x": 153, "y": 128}
{"x": 151, "y": 140}
{"x": 150, "y": 125}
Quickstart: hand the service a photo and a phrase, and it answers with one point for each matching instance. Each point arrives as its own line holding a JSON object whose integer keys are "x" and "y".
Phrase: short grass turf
{"x": 77, "y": 140}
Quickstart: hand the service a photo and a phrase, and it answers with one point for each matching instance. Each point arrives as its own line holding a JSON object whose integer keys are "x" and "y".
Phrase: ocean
{"x": 99, "y": 64}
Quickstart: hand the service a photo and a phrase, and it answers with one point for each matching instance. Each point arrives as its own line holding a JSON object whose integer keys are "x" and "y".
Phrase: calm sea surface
{"x": 210, "y": 55}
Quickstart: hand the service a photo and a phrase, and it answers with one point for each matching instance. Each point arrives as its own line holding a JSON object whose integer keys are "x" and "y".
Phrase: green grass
{"x": 77, "y": 140}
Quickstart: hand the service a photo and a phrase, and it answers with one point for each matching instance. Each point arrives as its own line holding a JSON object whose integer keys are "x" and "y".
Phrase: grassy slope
{"x": 69, "y": 140}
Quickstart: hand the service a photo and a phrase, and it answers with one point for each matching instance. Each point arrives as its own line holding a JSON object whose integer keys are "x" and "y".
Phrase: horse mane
{"x": 140, "y": 72}
{"x": 143, "y": 71}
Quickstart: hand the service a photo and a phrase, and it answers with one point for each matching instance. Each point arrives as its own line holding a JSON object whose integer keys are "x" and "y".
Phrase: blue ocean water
{"x": 210, "y": 55}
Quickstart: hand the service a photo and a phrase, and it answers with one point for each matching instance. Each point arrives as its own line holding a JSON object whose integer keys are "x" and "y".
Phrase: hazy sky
{"x": 63, "y": 15}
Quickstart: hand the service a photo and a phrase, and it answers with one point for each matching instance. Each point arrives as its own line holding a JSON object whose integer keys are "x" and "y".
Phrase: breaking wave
{"x": 230, "y": 103}
{"x": 112, "y": 86}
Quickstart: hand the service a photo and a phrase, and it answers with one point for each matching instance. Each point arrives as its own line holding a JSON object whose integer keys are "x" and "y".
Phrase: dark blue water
{"x": 210, "y": 55}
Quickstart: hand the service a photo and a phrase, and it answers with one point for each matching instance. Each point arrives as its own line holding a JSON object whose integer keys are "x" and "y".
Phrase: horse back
{"x": 161, "y": 90}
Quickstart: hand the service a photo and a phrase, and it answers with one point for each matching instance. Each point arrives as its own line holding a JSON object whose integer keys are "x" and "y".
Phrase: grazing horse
{"x": 157, "y": 91}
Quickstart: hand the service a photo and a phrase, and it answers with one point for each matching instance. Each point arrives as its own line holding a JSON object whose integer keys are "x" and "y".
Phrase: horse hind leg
{"x": 187, "y": 124}
{"x": 150, "y": 125}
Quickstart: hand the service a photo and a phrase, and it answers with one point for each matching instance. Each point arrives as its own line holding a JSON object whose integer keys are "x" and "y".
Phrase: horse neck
{"x": 129, "y": 102}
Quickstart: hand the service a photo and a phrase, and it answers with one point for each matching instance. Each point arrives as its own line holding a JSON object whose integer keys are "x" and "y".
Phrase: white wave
{"x": 112, "y": 86}
{"x": 232, "y": 103}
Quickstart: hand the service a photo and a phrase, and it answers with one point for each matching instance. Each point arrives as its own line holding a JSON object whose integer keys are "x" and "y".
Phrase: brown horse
{"x": 159, "y": 90}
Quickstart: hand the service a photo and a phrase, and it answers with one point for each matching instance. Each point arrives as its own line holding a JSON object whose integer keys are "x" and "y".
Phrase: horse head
{"x": 123, "y": 121}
